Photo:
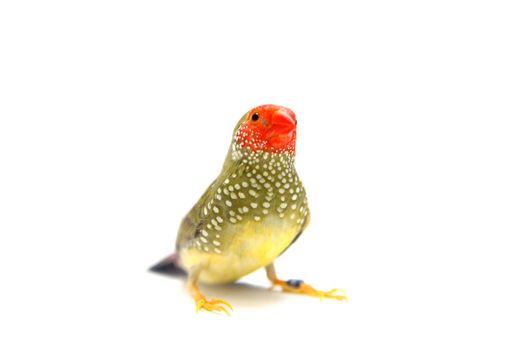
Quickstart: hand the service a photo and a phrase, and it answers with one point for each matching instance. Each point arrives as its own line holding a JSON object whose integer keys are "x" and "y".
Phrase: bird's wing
{"x": 191, "y": 222}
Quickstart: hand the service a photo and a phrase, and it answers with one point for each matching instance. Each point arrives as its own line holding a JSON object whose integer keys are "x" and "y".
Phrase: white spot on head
{"x": 216, "y": 243}
{"x": 215, "y": 210}
{"x": 283, "y": 205}
{"x": 266, "y": 204}
{"x": 217, "y": 250}
{"x": 219, "y": 219}
{"x": 253, "y": 205}
{"x": 204, "y": 233}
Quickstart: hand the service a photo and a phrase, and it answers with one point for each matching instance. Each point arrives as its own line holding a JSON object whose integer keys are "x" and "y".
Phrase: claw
{"x": 299, "y": 287}
{"x": 213, "y": 305}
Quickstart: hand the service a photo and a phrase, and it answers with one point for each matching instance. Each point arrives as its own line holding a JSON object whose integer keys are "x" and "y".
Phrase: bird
{"x": 250, "y": 214}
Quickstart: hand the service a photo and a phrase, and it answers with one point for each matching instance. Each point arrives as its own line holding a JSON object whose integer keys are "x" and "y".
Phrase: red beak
{"x": 283, "y": 121}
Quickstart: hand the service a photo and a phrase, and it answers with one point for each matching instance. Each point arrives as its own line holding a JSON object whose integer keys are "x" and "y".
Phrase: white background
{"x": 116, "y": 115}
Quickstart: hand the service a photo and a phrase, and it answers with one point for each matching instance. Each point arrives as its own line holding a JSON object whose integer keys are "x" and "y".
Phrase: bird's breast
{"x": 252, "y": 245}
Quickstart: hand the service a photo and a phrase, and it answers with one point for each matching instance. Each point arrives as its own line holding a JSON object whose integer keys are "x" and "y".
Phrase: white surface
{"x": 116, "y": 115}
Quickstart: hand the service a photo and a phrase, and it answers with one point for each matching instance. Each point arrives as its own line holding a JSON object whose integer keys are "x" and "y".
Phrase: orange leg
{"x": 212, "y": 305}
{"x": 299, "y": 287}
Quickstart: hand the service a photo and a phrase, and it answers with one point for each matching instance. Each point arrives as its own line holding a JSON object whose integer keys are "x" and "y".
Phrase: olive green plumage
{"x": 257, "y": 194}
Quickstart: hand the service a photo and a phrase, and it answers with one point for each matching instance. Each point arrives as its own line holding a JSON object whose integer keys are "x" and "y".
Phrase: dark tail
{"x": 168, "y": 266}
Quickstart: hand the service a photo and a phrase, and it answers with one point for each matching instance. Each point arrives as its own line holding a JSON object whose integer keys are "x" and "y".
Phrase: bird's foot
{"x": 299, "y": 287}
{"x": 212, "y": 305}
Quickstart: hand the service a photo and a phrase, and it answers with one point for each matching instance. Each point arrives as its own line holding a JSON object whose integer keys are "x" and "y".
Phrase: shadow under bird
{"x": 253, "y": 211}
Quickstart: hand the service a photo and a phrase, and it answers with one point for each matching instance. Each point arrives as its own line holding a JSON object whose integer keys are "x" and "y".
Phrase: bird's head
{"x": 268, "y": 128}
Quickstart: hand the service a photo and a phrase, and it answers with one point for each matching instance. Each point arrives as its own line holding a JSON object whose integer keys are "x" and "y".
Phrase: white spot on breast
{"x": 215, "y": 210}
{"x": 219, "y": 219}
{"x": 217, "y": 250}
{"x": 237, "y": 187}
{"x": 216, "y": 243}
{"x": 244, "y": 184}
{"x": 233, "y": 220}
{"x": 204, "y": 233}
{"x": 203, "y": 239}
{"x": 219, "y": 197}
{"x": 233, "y": 195}
{"x": 294, "y": 197}
{"x": 294, "y": 206}
{"x": 266, "y": 204}
{"x": 241, "y": 195}
{"x": 265, "y": 211}
{"x": 252, "y": 193}
{"x": 228, "y": 203}
{"x": 257, "y": 218}
{"x": 253, "y": 205}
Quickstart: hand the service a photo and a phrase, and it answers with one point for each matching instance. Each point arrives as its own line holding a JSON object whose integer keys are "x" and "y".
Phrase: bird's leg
{"x": 213, "y": 305}
{"x": 299, "y": 287}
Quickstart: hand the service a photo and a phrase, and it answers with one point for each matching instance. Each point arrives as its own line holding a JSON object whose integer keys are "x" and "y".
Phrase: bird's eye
{"x": 255, "y": 117}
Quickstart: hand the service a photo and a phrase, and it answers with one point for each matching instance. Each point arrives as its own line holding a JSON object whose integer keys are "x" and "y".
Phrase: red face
{"x": 268, "y": 128}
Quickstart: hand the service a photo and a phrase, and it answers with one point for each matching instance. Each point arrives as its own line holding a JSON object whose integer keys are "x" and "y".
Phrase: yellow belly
{"x": 252, "y": 245}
